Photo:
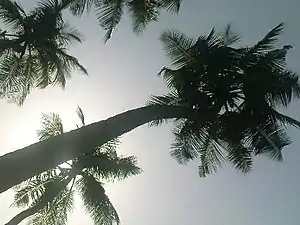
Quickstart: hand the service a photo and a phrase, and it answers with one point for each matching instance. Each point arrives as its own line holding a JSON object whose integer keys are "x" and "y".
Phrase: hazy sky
{"x": 122, "y": 76}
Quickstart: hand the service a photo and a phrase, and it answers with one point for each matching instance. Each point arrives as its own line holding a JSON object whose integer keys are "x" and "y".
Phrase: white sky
{"x": 122, "y": 76}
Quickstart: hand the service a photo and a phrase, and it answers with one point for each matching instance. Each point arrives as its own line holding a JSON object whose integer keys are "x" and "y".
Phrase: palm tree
{"x": 34, "y": 48}
{"x": 223, "y": 101}
{"x": 241, "y": 87}
{"x": 110, "y": 12}
{"x": 49, "y": 196}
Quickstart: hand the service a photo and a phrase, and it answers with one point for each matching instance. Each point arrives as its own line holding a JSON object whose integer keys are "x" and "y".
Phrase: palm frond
{"x": 80, "y": 115}
{"x": 240, "y": 157}
{"x": 200, "y": 145}
{"x": 30, "y": 191}
{"x": 69, "y": 35}
{"x": 270, "y": 141}
{"x": 178, "y": 47}
{"x": 228, "y": 37}
{"x": 284, "y": 88}
{"x": 104, "y": 167}
{"x": 96, "y": 202}
{"x": 70, "y": 61}
{"x": 172, "y": 6}
{"x": 143, "y": 12}
{"x": 210, "y": 155}
{"x": 11, "y": 13}
{"x": 56, "y": 211}
{"x": 171, "y": 98}
{"x": 268, "y": 41}
{"x": 51, "y": 126}
{"x": 286, "y": 120}
{"x": 77, "y": 7}
{"x": 109, "y": 14}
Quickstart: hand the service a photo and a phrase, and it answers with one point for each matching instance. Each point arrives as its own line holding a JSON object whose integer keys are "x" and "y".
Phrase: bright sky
{"x": 122, "y": 76}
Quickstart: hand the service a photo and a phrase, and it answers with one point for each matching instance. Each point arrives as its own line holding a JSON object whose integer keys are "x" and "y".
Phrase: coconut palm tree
{"x": 34, "y": 48}
{"x": 241, "y": 87}
{"x": 49, "y": 196}
{"x": 110, "y": 12}
{"x": 223, "y": 100}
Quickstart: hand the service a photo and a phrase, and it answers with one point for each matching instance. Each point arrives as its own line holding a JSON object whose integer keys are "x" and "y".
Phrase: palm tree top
{"x": 34, "y": 48}
{"x": 241, "y": 88}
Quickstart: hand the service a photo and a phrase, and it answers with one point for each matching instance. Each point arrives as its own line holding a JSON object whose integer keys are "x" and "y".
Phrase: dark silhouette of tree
{"x": 110, "y": 12}
{"x": 49, "y": 196}
{"x": 223, "y": 101}
{"x": 34, "y": 48}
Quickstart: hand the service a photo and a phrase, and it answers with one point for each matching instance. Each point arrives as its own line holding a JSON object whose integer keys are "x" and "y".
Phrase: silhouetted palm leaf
{"x": 110, "y": 12}
{"x": 96, "y": 201}
{"x": 51, "y": 126}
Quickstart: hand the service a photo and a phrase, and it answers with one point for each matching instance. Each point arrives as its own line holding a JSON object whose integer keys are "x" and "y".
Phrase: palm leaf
{"x": 107, "y": 166}
{"x": 11, "y": 13}
{"x": 80, "y": 115}
{"x": 178, "y": 47}
{"x": 240, "y": 157}
{"x": 268, "y": 41}
{"x": 228, "y": 37}
{"x": 270, "y": 141}
{"x": 56, "y": 211}
{"x": 142, "y": 12}
{"x": 109, "y": 14}
{"x": 96, "y": 202}
{"x": 286, "y": 120}
{"x": 51, "y": 126}
{"x": 69, "y": 35}
{"x": 172, "y": 6}
{"x": 77, "y": 7}
{"x": 30, "y": 191}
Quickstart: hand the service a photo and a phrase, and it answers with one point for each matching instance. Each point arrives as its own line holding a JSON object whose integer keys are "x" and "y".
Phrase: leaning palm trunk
{"x": 22, "y": 164}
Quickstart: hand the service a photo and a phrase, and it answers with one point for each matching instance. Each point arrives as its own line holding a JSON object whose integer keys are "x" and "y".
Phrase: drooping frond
{"x": 56, "y": 211}
{"x": 77, "y": 7}
{"x": 109, "y": 15}
{"x": 169, "y": 99}
{"x": 51, "y": 126}
{"x": 240, "y": 157}
{"x": 70, "y": 62}
{"x": 80, "y": 115}
{"x": 228, "y": 37}
{"x": 172, "y": 6}
{"x": 285, "y": 88}
{"x": 96, "y": 202}
{"x": 69, "y": 35}
{"x": 268, "y": 41}
{"x": 143, "y": 12}
{"x": 30, "y": 191}
{"x": 270, "y": 141}
{"x": 286, "y": 120}
{"x": 17, "y": 77}
{"x": 178, "y": 47}
{"x": 105, "y": 164}
{"x": 11, "y": 13}
{"x": 201, "y": 145}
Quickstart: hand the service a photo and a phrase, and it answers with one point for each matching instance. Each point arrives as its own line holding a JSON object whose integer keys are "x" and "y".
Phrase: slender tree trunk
{"x": 22, "y": 164}
{"x": 40, "y": 204}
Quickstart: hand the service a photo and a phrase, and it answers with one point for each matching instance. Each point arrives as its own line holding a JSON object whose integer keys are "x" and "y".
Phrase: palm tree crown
{"x": 241, "y": 88}
{"x": 34, "y": 48}
{"x": 84, "y": 174}
{"x": 110, "y": 12}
